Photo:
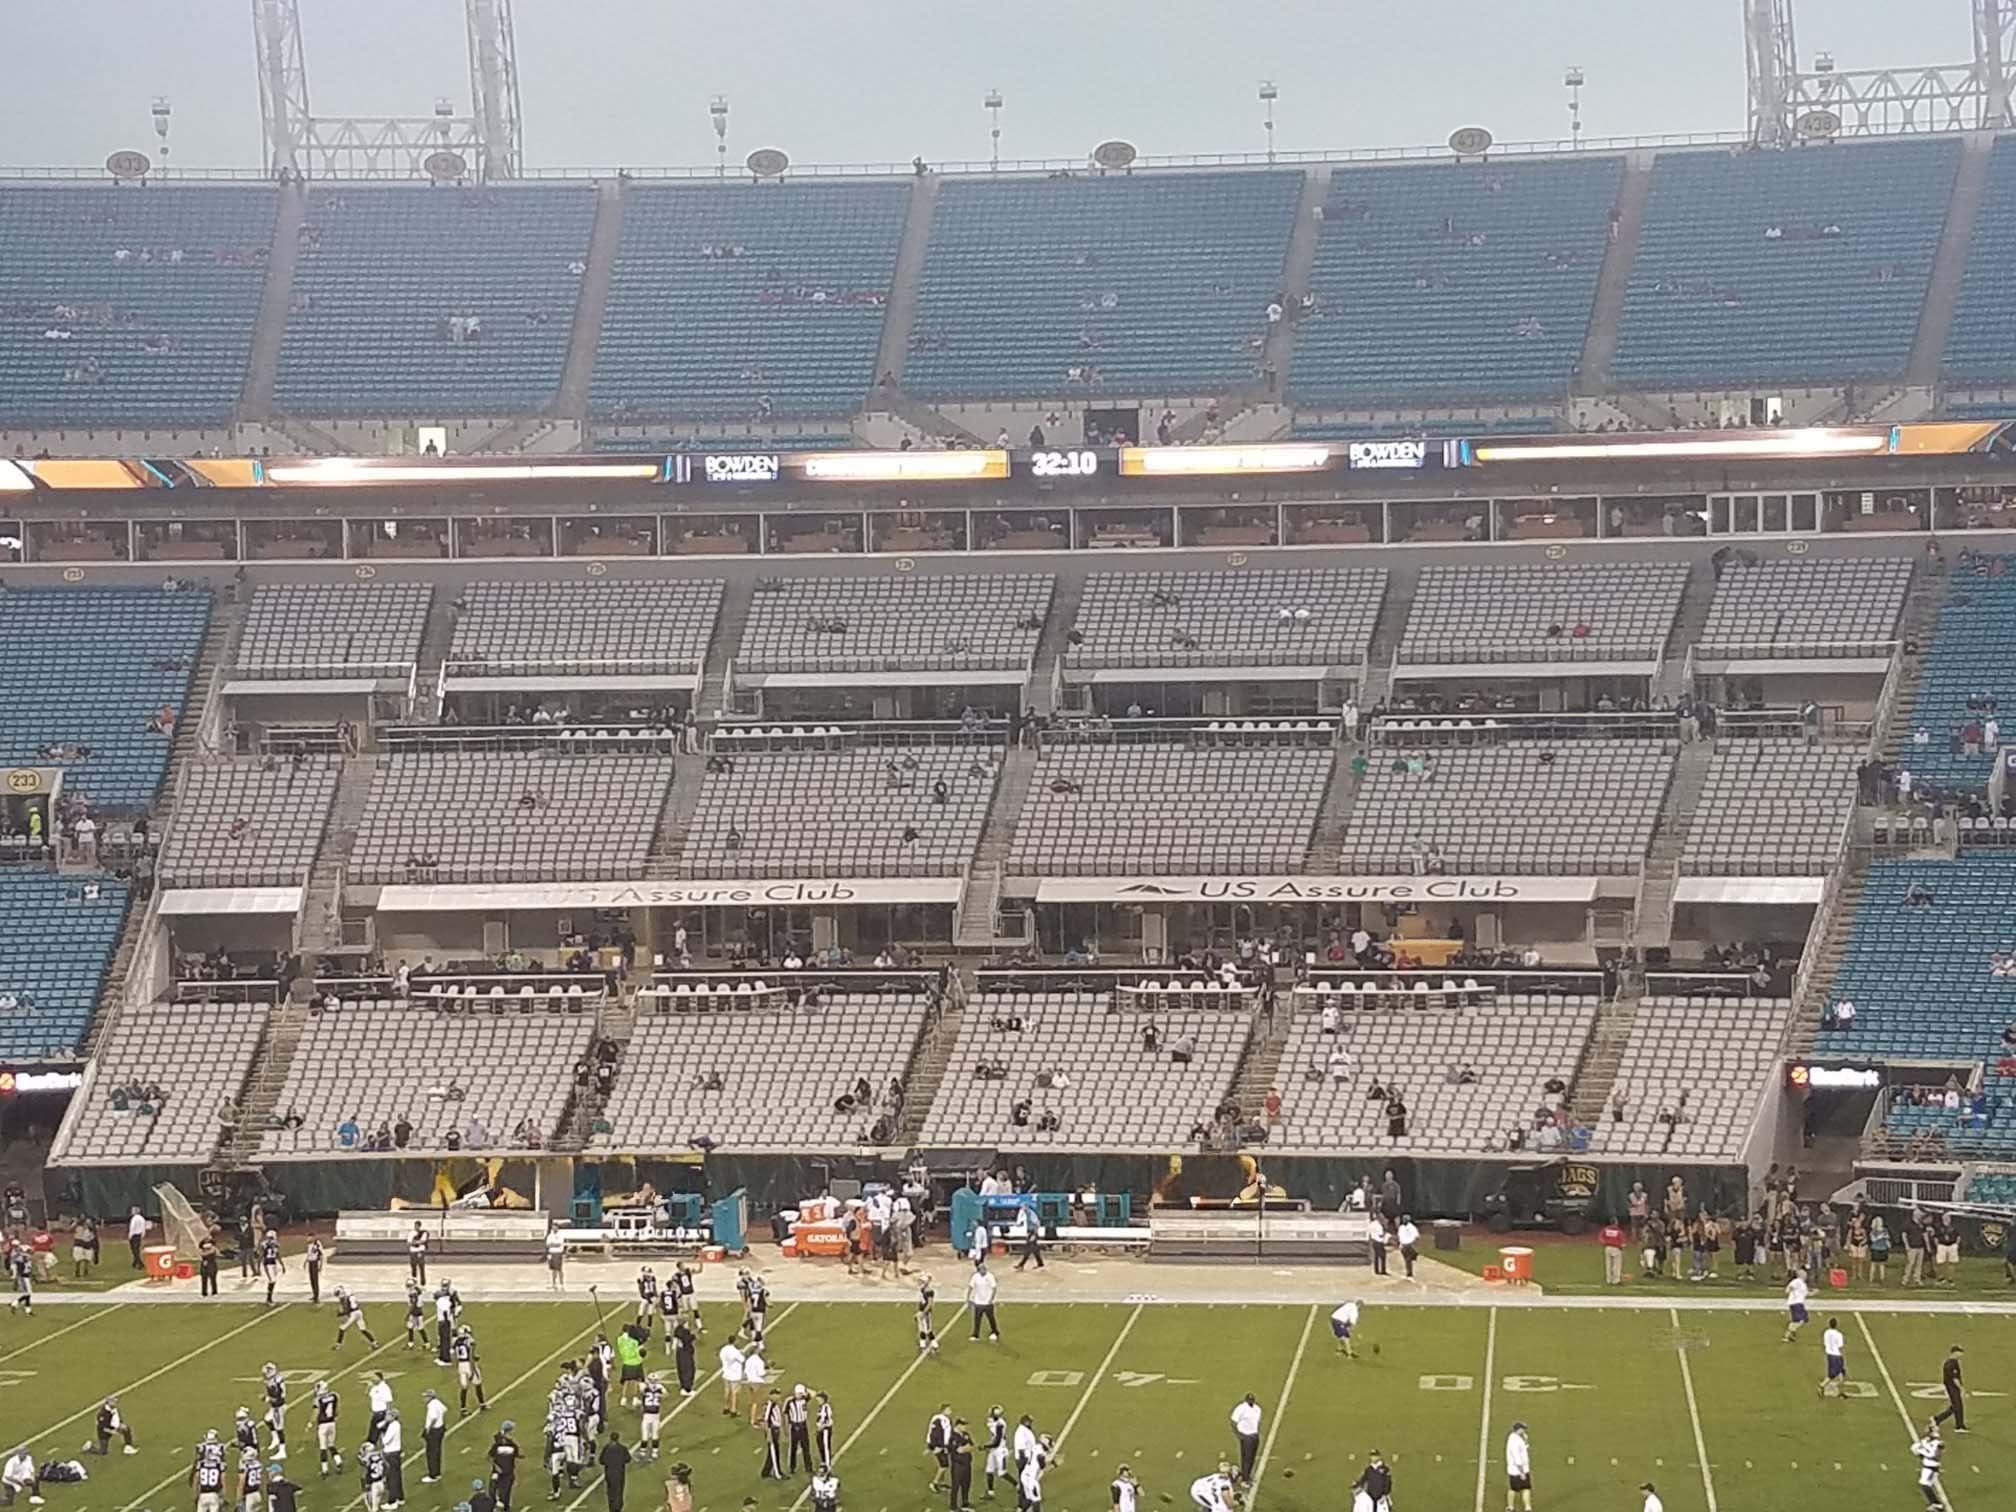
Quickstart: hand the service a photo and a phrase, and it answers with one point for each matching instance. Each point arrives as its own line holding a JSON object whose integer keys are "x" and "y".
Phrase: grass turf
{"x": 1603, "y": 1391}
{"x": 1573, "y": 1267}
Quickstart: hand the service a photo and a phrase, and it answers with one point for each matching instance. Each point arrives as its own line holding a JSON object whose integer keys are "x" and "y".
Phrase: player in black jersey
{"x": 249, "y": 1493}
{"x": 647, "y": 1295}
{"x": 668, "y": 1309}
{"x": 245, "y": 1432}
{"x": 326, "y": 1405}
{"x": 271, "y": 1264}
{"x": 960, "y": 1449}
{"x": 371, "y": 1474}
{"x": 927, "y": 1332}
{"x": 206, "y": 1474}
{"x": 468, "y": 1369}
{"x": 276, "y": 1410}
{"x": 21, "y": 1265}
{"x": 110, "y": 1421}
{"x": 416, "y": 1315}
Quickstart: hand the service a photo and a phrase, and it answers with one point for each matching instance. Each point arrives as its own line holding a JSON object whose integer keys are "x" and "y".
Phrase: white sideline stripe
{"x": 1484, "y": 1421}
{"x": 684, "y": 1402}
{"x": 91, "y": 1317}
{"x": 1280, "y": 1408}
{"x": 155, "y": 1375}
{"x": 1896, "y": 1397}
{"x": 183, "y": 1474}
{"x": 461, "y": 1423}
{"x": 1694, "y": 1412}
{"x": 1093, "y": 1384}
{"x": 887, "y": 1396}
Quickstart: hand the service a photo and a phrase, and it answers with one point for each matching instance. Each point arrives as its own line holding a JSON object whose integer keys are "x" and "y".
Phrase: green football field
{"x": 1709, "y": 1405}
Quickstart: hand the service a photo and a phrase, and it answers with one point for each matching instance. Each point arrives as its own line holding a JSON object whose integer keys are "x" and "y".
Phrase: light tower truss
{"x": 488, "y": 141}
{"x": 1788, "y": 104}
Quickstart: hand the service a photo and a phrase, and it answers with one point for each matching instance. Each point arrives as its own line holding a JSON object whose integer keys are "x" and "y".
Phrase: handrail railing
{"x": 1776, "y": 650}
{"x": 1397, "y": 728}
{"x": 573, "y": 738}
{"x": 377, "y": 671}
{"x": 1566, "y": 648}
{"x": 1822, "y": 922}
{"x": 573, "y": 666}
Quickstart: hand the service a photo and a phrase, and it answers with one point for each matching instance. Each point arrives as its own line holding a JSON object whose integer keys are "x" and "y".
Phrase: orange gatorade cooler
{"x": 158, "y": 1260}
{"x": 1515, "y": 1262}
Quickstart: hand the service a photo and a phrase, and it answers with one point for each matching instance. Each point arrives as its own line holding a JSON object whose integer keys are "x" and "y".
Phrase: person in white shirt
{"x": 136, "y": 1234}
{"x": 1518, "y": 1469}
{"x": 1795, "y": 1305}
{"x": 1246, "y": 1423}
{"x": 980, "y": 1291}
{"x": 1410, "y": 1242}
{"x": 379, "y": 1397}
{"x": 556, "y": 1257}
{"x": 1652, "y": 1502}
{"x": 433, "y": 1429}
{"x": 1126, "y": 1491}
{"x": 1214, "y": 1493}
{"x": 392, "y": 1444}
{"x": 1025, "y": 1444}
{"x": 1834, "y": 1345}
{"x": 1928, "y": 1449}
{"x": 731, "y": 1377}
{"x": 1342, "y": 1322}
{"x": 756, "y": 1375}
{"x": 18, "y": 1475}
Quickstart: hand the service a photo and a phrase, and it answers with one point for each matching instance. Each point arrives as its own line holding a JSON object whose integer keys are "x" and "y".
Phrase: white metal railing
{"x": 1775, "y": 650}
{"x": 1823, "y": 918}
{"x": 1407, "y": 727}
{"x": 574, "y": 666}
{"x": 377, "y": 671}
{"x": 1566, "y": 648}
{"x": 1886, "y": 702}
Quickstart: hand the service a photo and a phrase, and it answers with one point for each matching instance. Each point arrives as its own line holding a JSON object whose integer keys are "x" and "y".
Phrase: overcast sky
{"x": 613, "y": 82}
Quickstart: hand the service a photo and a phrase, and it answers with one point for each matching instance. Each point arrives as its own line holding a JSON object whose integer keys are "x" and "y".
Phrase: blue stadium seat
{"x": 157, "y": 291}
{"x": 786, "y": 324}
{"x": 1971, "y": 654}
{"x": 80, "y": 670}
{"x": 53, "y": 956}
{"x": 384, "y": 271}
{"x": 1981, "y": 345}
{"x": 1159, "y": 281}
{"x": 1715, "y": 300}
{"x": 1919, "y": 976}
{"x": 1443, "y": 283}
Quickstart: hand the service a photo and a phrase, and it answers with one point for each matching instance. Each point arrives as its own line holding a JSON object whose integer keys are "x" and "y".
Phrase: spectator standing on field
{"x": 136, "y": 1234}
{"x": 1613, "y": 1237}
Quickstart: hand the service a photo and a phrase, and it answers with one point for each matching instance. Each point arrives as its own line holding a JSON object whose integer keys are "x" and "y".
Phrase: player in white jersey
{"x": 1343, "y": 1322}
{"x": 1126, "y": 1491}
{"x": 1518, "y": 1469}
{"x": 1795, "y": 1305}
{"x": 1214, "y": 1493}
{"x": 348, "y": 1311}
{"x": 1834, "y": 1345}
{"x": 1928, "y": 1449}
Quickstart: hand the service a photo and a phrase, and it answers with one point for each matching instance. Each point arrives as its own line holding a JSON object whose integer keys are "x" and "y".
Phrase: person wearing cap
{"x": 615, "y": 1461}
{"x": 280, "y": 1491}
{"x": 392, "y": 1444}
{"x": 480, "y": 1499}
{"x": 1652, "y": 1502}
{"x": 111, "y": 1421}
{"x": 1518, "y": 1469}
{"x": 503, "y": 1465}
{"x": 1374, "y": 1484}
{"x": 1956, "y": 1397}
{"x": 1246, "y": 1424}
{"x": 433, "y": 1429}
{"x": 679, "y": 1488}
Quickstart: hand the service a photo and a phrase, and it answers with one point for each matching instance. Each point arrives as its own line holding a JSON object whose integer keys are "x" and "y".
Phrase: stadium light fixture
{"x": 992, "y": 105}
{"x": 163, "y": 112}
{"x": 1572, "y": 81}
{"x": 1268, "y": 95}
{"x": 718, "y": 109}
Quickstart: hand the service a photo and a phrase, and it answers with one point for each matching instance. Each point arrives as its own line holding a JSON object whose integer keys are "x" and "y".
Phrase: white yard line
{"x": 1896, "y": 1396}
{"x": 93, "y": 1316}
{"x": 1093, "y": 1384}
{"x": 1694, "y": 1412}
{"x": 1280, "y": 1408}
{"x": 876, "y": 1411}
{"x": 182, "y": 1474}
{"x": 699, "y": 1390}
{"x": 1484, "y": 1422}
{"x": 155, "y": 1375}
{"x": 460, "y": 1423}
